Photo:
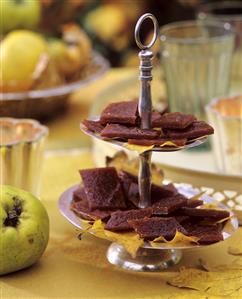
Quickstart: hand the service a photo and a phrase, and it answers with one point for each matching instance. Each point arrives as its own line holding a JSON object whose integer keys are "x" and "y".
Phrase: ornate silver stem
{"x": 145, "y": 106}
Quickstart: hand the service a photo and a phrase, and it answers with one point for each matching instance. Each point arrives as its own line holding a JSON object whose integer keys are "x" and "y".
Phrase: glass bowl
{"x": 44, "y": 103}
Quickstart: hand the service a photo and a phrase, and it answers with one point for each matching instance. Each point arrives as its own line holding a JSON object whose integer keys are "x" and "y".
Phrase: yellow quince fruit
{"x": 20, "y": 52}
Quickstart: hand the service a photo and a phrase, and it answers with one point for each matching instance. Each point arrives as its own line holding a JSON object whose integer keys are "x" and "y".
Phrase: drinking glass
{"x": 227, "y": 12}
{"x": 225, "y": 115}
{"x": 196, "y": 58}
{"x": 21, "y": 152}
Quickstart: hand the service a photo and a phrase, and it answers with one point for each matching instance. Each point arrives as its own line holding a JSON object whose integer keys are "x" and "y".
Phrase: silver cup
{"x": 196, "y": 58}
{"x": 21, "y": 152}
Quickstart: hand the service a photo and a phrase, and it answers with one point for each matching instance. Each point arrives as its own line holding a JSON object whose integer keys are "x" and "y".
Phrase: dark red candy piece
{"x": 193, "y": 203}
{"x": 103, "y": 188}
{"x": 151, "y": 228}
{"x": 173, "y": 120}
{"x": 160, "y": 192}
{"x": 121, "y": 113}
{"x": 207, "y": 234}
{"x": 195, "y": 130}
{"x": 155, "y": 118}
{"x": 159, "y": 141}
{"x": 131, "y": 189}
{"x": 123, "y": 132}
{"x": 169, "y": 204}
{"x": 93, "y": 126}
{"x": 181, "y": 219}
{"x": 81, "y": 208}
{"x": 79, "y": 194}
{"x": 119, "y": 219}
{"x": 126, "y": 179}
{"x": 205, "y": 213}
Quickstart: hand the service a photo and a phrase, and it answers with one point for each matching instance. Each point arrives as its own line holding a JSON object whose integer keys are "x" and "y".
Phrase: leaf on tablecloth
{"x": 121, "y": 162}
{"x": 210, "y": 267}
{"x": 191, "y": 278}
{"x": 130, "y": 241}
{"x": 179, "y": 239}
{"x": 212, "y": 283}
{"x": 235, "y": 250}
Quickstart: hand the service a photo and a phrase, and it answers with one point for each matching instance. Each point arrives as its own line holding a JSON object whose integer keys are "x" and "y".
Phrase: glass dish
{"x": 40, "y": 104}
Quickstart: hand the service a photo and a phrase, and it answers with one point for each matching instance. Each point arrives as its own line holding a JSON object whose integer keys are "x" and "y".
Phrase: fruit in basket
{"x": 19, "y": 14}
{"x": 21, "y": 50}
{"x": 24, "y": 229}
{"x": 72, "y": 52}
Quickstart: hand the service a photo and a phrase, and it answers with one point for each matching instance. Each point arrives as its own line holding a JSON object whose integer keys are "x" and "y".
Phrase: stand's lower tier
{"x": 146, "y": 260}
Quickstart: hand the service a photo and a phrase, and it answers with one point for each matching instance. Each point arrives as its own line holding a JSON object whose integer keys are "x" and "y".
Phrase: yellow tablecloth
{"x": 71, "y": 268}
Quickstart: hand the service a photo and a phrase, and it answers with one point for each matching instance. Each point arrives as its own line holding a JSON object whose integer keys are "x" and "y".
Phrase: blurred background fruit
{"x": 21, "y": 51}
{"x": 19, "y": 14}
{"x": 72, "y": 52}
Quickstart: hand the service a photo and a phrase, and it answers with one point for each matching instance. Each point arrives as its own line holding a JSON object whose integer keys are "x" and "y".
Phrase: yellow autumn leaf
{"x": 130, "y": 240}
{"x": 144, "y": 148}
{"x": 86, "y": 224}
{"x": 98, "y": 229}
{"x": 121, "y": 162}
{"x": 191, "y": 278}
{"x": 169, "y": 143}
{"x": 179, "y": 240}
{"x": 233, "y": 250}
{"x": 219, "y": 283}
{"x": 211, "y": 267}
{"x": 138, "y": 148}
{"x": 211, "y": 206}
{"x": 198, "y": 138}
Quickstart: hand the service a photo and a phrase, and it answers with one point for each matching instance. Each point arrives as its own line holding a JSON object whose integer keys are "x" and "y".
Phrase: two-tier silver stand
{"x": 148, "y": 258}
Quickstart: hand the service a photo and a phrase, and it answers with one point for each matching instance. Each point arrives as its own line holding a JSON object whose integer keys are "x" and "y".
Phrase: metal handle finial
{"x": 145, "y": 106}
{"x": 137, "y": 31}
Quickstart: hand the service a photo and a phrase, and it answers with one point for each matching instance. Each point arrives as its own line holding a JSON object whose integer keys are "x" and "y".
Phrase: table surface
{"x": 73, "y": 268}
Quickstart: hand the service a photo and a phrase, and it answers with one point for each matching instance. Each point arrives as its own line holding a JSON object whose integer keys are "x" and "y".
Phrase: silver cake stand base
{"x": 146, "y": 260}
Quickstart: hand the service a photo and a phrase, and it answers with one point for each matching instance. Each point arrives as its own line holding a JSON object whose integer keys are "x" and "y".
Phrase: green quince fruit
{"x": 24, "y": 229}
